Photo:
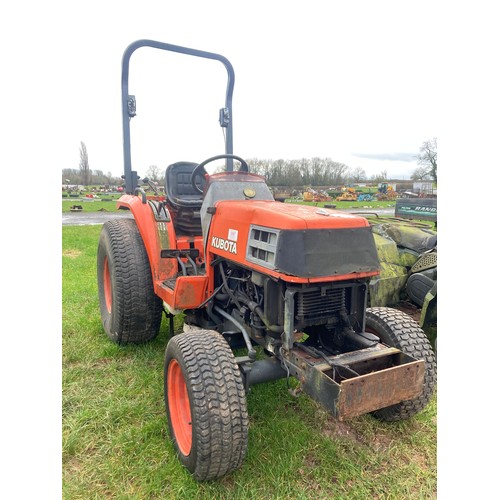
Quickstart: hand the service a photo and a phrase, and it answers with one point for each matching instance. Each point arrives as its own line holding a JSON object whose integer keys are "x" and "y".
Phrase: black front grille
{"x": 313, "y": 306}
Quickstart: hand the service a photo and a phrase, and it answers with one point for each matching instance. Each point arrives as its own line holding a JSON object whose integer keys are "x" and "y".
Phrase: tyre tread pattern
{"x": 137, "y": 310}
{"x": 218, "y": 403}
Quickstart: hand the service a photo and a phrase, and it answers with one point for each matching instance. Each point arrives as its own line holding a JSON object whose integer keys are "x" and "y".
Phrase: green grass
{"x": 344, "y": 205}
{"x": 115, "y": 441}
{"x": 91, "y": 204}
{"x": 95, "y": 205}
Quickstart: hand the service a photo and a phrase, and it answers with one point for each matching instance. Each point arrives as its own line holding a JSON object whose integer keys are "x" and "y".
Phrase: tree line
{"x": 327, "y": 172}
{"x": 74, "y": 176}
{"x": 284, "y": 173}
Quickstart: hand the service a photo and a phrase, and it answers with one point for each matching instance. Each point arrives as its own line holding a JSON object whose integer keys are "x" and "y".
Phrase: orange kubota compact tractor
{"x": 283, "y": 285}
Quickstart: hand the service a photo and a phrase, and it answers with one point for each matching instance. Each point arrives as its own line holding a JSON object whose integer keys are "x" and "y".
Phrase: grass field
{"x": 94, "y": 205}
{"x": 114, "y": 432}
{"x": 91, "y": 205}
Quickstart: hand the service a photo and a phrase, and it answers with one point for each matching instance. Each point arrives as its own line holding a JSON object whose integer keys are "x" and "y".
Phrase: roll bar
{"x": 129, "y": 105}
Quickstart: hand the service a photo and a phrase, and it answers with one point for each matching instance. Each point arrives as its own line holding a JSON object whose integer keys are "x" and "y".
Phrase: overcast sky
{"x": 349, "y": 81}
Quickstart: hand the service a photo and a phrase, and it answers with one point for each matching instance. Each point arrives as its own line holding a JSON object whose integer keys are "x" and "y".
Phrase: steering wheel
{"x": 200, "y": 171}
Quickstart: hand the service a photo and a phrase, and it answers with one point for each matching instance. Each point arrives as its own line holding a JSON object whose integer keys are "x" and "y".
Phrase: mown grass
{"x": 343, "y": 205}
{"x": 96, "y": 204}
{"x": 90, "y": 204}
{"x": 115, "y": 441}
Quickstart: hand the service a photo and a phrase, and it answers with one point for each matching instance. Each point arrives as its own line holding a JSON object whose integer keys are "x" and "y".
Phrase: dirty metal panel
{"x": 380, "y": 389}
{"x": 350, "y": 358}
{"x": 322, "y": 388}
{"x": 189, "y": 291}
{"x": 379, "y": 350}
{"x": 378, "y": 377}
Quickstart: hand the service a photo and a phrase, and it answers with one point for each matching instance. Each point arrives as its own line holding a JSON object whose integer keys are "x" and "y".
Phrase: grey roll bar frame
{"x": 128, "y": 103}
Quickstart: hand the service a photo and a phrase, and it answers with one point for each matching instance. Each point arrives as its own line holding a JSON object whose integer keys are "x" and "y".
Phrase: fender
{"x": 157, "y": 230}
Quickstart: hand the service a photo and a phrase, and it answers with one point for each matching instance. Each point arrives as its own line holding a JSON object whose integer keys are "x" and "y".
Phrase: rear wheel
{"x": 205, "y": 404}
{"x": 130, "y": 310}
{"x": 397, "y": 329}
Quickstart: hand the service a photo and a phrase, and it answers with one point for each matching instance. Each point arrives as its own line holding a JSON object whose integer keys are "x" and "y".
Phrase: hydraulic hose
{"x": 227, "y": 287}
{"x": 251, "y": 351}
{"x": 255, "y": 308}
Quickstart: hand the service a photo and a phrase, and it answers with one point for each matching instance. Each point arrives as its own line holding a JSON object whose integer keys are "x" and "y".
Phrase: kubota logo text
{"x": 222, "y": 244}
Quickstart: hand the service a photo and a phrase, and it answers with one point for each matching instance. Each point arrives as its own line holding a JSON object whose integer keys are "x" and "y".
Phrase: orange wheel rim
{"x": 179, "y": 408}
{"x": 108, "y": 298}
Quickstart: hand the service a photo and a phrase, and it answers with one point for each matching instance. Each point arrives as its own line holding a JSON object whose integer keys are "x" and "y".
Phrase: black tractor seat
{"x": 183, "y": 201}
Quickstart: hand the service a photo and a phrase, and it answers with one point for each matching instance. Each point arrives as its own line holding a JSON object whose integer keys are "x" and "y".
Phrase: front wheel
{"x": 397, "y": 329}
{"x": 205, "y": 404}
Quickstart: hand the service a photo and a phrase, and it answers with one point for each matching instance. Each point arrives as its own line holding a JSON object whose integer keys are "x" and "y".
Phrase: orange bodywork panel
{"x": 284, "y": 216}
{"x": 188, "y": 292}
{"x": 187, "y": 242}
{"x": 230, "y": 228}
{"x": 158, "y": 235}
{"x": 228, "y": 238}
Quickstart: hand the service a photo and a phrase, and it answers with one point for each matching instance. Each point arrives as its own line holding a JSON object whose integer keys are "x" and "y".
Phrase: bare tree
{"x": 260, "y": 167}
{"x": 420, "y": 174}
{"x": 153, "y": 173}
{"x": 303, "y": 172}
{"x": 382, "y": 176}
{"x": 85, "y": 171}
{"x": 336, "y": 172}
{"x": 358, "y": 174}
{"x": 428, "y": 158}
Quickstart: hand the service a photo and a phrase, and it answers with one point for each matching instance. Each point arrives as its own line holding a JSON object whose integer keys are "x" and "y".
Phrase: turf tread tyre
{"x": 134, "y": 315}
{"x": 217, "y": 403}
{"x": 397, "y": 329}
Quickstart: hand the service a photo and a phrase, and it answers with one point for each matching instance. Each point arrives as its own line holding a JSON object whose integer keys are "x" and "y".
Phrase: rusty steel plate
{"x": 380, "y": 389}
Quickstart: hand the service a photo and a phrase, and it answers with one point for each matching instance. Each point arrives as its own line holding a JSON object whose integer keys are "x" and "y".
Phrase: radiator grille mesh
{"x": 314, "y": 305}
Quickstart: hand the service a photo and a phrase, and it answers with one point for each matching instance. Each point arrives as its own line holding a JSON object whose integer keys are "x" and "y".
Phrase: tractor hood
{"x": 290, "y": 216}
{"x": 290, "y": 240}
